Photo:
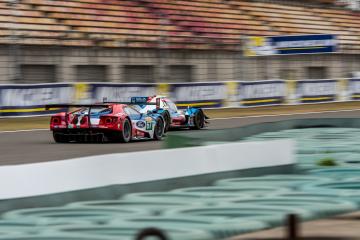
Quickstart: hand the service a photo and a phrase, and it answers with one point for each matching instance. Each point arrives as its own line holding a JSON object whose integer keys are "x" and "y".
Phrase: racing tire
{"x": 159, "y": 129}
{"x": 125, "y": 134}
{"x": 167, "y": 120}
{"x": 58, "y": 138}
{"x": 199, "y": 120}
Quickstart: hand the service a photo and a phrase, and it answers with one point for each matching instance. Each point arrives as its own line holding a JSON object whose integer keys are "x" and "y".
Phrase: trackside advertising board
{"x": 26, "y": 100}
{"x": 354, "y": 88}
{"x": 261, "y": 93}
{"x": 120, "y": 92}
{"x": 292, "y": 44}
{"x": 206, "y": 95}
{"x": 29, "y": 100}
{"x": 316, "y": 91}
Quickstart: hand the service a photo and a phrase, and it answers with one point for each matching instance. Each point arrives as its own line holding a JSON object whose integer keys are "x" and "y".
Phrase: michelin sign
{"x": 262, "y": 92}
{"x": 29, "y": 100}
{"x": 120, "y": 92}
{"x": 26, "y": 100}
{"x": 206, "y": 95}
{"x": 285, "y": 45}
{"x": 316, "y": 90}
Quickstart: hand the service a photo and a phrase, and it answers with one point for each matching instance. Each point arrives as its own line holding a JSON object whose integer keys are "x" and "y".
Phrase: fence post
{"x": 292, "y": 227}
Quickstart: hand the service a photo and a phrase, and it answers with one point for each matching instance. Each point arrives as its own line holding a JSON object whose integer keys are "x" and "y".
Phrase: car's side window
{"x": 164, "y": 103}
{"x": 133, "y": 114}
{"x": 172, "y": 106}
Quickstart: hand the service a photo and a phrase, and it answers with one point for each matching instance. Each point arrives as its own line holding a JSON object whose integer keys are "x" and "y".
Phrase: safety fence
{"x": 29, "y": 99}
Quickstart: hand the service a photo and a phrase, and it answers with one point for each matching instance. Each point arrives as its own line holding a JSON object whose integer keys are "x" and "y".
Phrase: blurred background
{"x": 172, "y": 41}
{"x": 245, "y": 172}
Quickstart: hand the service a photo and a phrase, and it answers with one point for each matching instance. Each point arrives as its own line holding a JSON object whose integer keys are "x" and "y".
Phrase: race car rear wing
{"x": 137, "y": 101}
{"x": 134, "y": 101}
{"x": 47, "y": 107}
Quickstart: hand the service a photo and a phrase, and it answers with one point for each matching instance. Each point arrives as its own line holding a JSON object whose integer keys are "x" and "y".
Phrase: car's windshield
{"x": 172, "y": 106}
{"x": 138, "y": 107}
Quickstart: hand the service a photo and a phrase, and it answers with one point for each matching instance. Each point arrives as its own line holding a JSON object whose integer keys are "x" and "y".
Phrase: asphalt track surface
{"x": 38, "y": 146}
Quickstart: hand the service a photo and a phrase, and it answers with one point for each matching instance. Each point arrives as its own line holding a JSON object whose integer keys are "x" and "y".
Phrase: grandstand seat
{"x": 192, "y": 24}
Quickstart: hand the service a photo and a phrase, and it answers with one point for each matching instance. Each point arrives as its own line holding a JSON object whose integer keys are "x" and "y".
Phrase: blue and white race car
{"x": 193, "y": 118}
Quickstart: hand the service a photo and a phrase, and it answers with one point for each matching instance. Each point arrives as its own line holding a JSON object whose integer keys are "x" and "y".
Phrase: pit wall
{"x": 29, "y": 100}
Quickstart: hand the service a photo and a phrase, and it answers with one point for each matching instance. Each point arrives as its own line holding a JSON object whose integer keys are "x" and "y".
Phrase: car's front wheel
{"x": 159, "y": 129}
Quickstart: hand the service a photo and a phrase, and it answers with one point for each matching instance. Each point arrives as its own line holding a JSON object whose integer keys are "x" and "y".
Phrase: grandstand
{"x": 168, "y": 41}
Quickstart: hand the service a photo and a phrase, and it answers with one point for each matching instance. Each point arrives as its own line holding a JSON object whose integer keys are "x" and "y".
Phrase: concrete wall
{"x": 112, "y": 175}
{"x": 206, "y": 65}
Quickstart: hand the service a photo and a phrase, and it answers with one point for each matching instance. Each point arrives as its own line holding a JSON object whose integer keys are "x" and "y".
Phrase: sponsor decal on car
{"x": 140, "y": 124}
{"x": 149, "y": 125}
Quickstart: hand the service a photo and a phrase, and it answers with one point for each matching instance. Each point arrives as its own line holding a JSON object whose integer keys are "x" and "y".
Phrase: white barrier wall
{"x": 98, "y": 171}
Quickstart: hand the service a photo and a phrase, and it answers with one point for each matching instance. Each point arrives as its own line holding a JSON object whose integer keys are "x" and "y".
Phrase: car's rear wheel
{"x": 60, "y": 138}
{"x": 199, "y": 120}
{"x": 159, "y": 129}
{"x": 167, "y": 120}
{"x": 125, "y": 134}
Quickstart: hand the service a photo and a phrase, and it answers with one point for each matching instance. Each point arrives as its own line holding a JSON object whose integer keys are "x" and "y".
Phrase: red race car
{"x": 116, "y": 122}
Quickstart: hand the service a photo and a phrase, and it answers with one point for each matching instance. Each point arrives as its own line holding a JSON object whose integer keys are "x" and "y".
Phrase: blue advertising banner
{"x": 120, "y": 92}
{"x": 30, "y": 99}
{"x": 354, "y": 89}
{"x": 25, "y": 100}
{"x": 262, "y": 93}
{"x": 292, "y": 44}
{"x": 206, "y": 95}
{"x": 316, "y": 91}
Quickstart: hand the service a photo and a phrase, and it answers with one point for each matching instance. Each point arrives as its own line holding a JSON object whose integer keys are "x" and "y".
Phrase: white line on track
{"x": 228, "y": 118}
{"x": 287, "y": 114}
{"x": 25, "y": 130}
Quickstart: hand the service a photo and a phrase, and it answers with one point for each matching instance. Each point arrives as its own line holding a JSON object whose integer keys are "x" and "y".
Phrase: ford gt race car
{"x": 115, "y": 122}
{"x": 193, "y": 118}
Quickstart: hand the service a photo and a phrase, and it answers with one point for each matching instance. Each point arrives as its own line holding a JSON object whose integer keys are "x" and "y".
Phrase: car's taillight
{"x": 56, "y": 120}
{"x": 105, "y": 120}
